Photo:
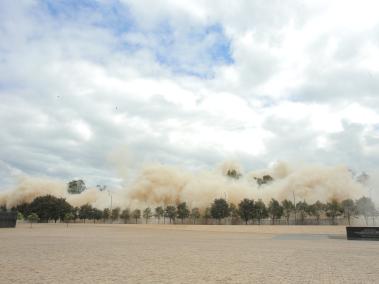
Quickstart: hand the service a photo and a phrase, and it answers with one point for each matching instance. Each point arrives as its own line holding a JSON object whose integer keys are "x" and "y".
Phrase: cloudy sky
{"x": 87, "y": 84}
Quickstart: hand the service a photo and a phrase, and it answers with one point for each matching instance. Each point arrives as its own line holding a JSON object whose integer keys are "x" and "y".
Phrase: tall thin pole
{"x": 294, "y": 203}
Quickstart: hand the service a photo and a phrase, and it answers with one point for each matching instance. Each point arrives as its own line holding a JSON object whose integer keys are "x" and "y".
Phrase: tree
{"x": 233, "y": 173}
{"x": 302, "y": 209}
{"x": 20, "y": 217}
{"x": 333, "y": 209}
{"x": 288, "y": 207}
{"x": 264, "y": 180}
{"x": 49, "y": 207}
{"x": 233, "y": 212}
{"x": 220, "y": 209}
{"x": 207, "y": 214}
{"x": 96, "y": 214}
{"x": 246, "y": 209}
{"x": 85, "y": 212}
{"x": 115, "y": 213}
{"x": 158, "y": 213}
{"x": 125, "y": 215}
{"x": 182, "y": 211}
{"x": 365, "y": 207}
{"x": 275, "y": 210}
{"x": 260, "y": 211}
{"x": 195, "y": 214}
{"x": 23, "y": 208}
{"x": 76, "y": 186}
{"x": 171, "y": 213}
{"x": 68, "y": 217}
{"x": 147, "y": 214}
{"x": 316, "y": 209}
{"x": 32, "y": 218}
{"x": 136, "y": 214}
{"x": 349, "y": 209}
{"x": 75, "y": 211}
{"x": 106, "y": 214}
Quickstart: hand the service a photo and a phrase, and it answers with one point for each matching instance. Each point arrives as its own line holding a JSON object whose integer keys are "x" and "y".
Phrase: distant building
{"x": 76, "y": 186}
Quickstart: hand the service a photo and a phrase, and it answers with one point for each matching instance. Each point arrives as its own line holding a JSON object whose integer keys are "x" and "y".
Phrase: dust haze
{"x": 157, "y": 184}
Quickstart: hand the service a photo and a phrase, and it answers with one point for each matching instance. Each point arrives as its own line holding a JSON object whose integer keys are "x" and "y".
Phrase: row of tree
{"x": 50, "y": 208}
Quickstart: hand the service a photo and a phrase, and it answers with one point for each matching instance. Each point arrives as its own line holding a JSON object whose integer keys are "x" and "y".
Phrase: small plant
{"x": 33, "y": 218}
{"x": 68, "y": 217}
{"x": 20, "y": 217}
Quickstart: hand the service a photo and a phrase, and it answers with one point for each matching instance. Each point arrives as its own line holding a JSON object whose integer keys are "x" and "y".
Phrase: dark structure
{"x": 8, "y": 219}
{"x": 363, "y": 233}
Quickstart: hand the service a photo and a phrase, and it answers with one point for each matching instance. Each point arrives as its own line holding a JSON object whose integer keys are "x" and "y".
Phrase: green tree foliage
{"x": 125, "y": 215}
{"x": 220, "y": 209}
{"x": 233, "y": 212}
{"x": 147, "y": 214}
{"x": 49, "y": 207}
{"x": 75, "y": 211}
{"x": 33, "y": 218}
{"x": 136, "y": 214}
{"x": 171, "y": 213}
{"x": 23, "y": 208}
{"x": 316, "y": 210}
{"x": 76, "y": 186}
{"x": 207, "y": 214}
{"x": 349, "y": 209}
{"x": 275, "y": 210}
{"x": 246, "y": 209}
{"x": 195, "y": 214}
{"x": 182, "y": 211}
{"x": 264, "y": 180}
{"x": 68, "y": 217}
{"x": 158, "y": 213}
{"x": 233, "y": 173}
{"x": 302, "y": 209}
{"x": 115, "y": 213}
{"x": 288, "y": 208}
{"x": 106, "y": 214}
{"x": 261, "y": 211}
{"x": 20, "y": 217}
{"x": 365, "y": 207}
{"x": 85, "y": 212}
{"x": 333, "y": 210}
{"x": 97, "y": 214}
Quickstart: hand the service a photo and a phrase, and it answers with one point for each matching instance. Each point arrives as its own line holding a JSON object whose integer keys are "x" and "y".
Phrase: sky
{"x": 88, "y": 88}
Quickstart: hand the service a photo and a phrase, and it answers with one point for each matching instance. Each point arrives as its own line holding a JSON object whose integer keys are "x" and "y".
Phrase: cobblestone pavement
{"x": 87, "y": 253}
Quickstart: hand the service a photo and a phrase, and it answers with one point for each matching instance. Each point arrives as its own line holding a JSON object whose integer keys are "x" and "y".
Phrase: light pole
{"x": 294, "y": 203}
{"x": 110, "y": 210}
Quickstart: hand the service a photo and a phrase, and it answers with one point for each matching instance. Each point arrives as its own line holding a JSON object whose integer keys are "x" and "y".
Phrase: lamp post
{"x": 110, "y": 194}
{"x": 294, "y": 203}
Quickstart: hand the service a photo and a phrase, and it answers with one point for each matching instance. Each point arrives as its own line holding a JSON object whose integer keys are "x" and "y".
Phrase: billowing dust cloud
{"x": 158, "y": 184}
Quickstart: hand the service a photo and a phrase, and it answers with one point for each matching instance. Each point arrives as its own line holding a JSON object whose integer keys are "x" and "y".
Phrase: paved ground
{"x": 84, "y": 253}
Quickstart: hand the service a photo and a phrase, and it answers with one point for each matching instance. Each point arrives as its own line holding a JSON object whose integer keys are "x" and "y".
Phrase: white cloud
{"x": 301, "y": 84}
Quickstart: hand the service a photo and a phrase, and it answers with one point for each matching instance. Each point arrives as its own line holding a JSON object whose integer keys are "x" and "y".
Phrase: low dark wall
{"x": 363, "y": 233}
{"x": 8, "y": 219}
